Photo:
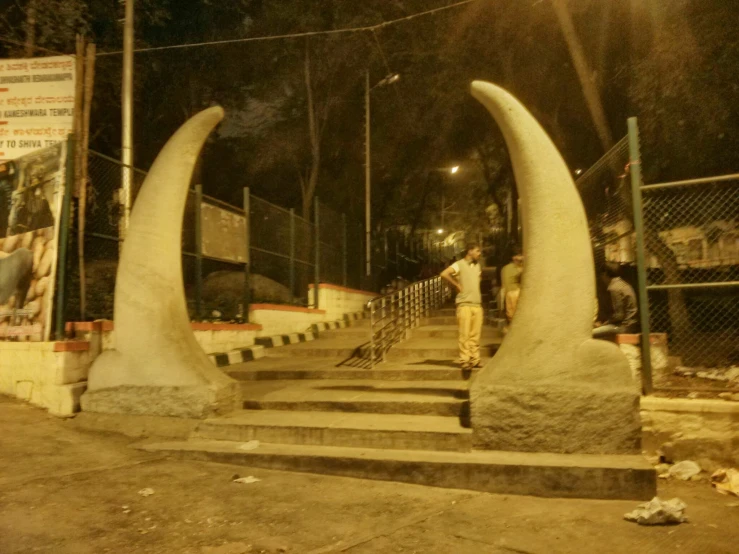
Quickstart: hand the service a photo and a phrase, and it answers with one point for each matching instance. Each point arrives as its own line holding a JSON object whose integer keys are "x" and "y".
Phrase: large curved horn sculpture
{"x": 551, "y": 387}
{"x": 157, "y": 367}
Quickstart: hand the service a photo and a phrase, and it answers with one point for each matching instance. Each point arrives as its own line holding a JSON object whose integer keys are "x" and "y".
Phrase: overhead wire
{"x": 362, "y": 29}
{"x": 41, "y": 48}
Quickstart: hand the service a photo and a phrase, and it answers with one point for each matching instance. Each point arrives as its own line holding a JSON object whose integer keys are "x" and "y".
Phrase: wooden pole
{"x": 79, "y": 102}
{"x": 85, "y": 140}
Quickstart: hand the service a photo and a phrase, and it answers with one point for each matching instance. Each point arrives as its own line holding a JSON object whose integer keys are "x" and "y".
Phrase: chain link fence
{"x": 690, "y": 265}
{"x": 605, "y": 190}
{"x": 691, "y": 237}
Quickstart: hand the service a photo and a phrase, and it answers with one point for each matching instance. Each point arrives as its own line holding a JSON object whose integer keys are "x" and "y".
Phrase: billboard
{"x": 31, "y": 193}
{"x": 36, "y": 104}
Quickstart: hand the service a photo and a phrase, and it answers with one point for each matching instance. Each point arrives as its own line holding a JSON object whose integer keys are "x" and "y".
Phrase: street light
{"x": 388, "y": 80}
{"x": 453, "y": 170}
{"x": 440, "y": 231}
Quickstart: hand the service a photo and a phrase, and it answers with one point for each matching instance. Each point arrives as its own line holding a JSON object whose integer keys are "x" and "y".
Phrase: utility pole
{"x": 30, "y": 28}
{"x": 367, "y": 178}
{"x": 127, "y": 119}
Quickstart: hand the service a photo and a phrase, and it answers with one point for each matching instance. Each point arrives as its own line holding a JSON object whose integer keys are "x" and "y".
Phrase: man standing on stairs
{"x": 465, "y": 276}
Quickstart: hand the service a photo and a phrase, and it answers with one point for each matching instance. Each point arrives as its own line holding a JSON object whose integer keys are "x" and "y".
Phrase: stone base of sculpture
{"x": 560, "y": 419}
{"x": 196, "y": 402}
{"x": 551, "y": 388}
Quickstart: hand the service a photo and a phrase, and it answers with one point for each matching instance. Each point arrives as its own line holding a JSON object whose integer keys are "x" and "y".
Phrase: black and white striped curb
{"x": 329, "y": 325}
{"x": 283, "y": 340}
{"x": 343, "y": 323}
{"x": 248, "y": 354}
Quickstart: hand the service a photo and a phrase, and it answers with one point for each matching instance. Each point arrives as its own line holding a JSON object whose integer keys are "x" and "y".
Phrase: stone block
{"x": 538, "y": 418}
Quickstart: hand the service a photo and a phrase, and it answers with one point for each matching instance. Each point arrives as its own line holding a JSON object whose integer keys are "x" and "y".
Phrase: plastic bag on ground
{"x": 726, "y": 481}
{"x": 659, "y": 512}
{"x": 685, "y": 470}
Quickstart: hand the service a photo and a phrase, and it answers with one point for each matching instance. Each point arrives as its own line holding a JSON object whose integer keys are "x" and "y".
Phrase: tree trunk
{"x": 309, "y": 185}
{"x": 30, "y": 28}
{"x": 680, "y": 325}
{"x": 584, "y": 73}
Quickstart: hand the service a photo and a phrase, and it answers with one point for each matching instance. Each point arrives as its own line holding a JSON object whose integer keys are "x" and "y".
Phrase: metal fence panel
{"x": 691, "y": 235}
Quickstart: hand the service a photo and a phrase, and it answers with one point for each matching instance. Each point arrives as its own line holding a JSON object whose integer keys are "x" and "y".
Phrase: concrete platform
{"x": 536, "y": 474}
{"x": 391, "y": 431}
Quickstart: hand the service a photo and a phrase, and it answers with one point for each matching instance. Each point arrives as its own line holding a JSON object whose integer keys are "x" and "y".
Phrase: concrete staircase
{"x": 312, "y": 407}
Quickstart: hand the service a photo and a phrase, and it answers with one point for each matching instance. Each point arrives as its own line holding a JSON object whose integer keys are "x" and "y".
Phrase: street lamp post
{"x": 453, "y": 171}
{"x": 390, "y": 79}
{"x": 367, "y": 179}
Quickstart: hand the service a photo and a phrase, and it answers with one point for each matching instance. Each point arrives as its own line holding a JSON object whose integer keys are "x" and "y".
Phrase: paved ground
{"x": 69, "y": 492}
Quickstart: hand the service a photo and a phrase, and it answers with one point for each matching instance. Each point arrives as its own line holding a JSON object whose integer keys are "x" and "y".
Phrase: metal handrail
{"x": 394, "y": 315}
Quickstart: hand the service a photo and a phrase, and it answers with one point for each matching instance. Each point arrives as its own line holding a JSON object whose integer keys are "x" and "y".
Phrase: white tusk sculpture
{"x": 157, "y": 367}
{"x": 551, "y": 387}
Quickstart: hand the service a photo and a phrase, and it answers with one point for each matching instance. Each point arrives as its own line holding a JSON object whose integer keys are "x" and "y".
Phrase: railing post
{"x": 247, "y": 255}
{"x": 343, "y": 250}
{"x": 63, "y": 243}
{"x": 317, "y": 249}
{"x": 383, "y": 326}
{"x": 292, "y": 255}
{"x": 198, "y": 251}
{"x": 636, "y": 184}
{"x": 372, "y": 333}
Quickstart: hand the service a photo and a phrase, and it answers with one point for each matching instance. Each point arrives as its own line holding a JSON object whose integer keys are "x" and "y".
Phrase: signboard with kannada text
{"x": 36, "y": 104}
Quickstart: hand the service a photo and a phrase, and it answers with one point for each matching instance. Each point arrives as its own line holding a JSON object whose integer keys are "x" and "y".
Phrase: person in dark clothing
{"x": 623, "y": 304}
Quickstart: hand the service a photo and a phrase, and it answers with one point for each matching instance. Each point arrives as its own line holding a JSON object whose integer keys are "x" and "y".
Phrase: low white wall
{"x": 52, "y": 375}
{"x": 337, "y": 301}
{"x": 276, "y": 319}
{"x": 212, "y": 337}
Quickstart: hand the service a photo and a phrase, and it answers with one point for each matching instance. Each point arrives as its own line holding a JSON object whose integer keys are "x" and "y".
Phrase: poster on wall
{"x": 36, "y": 104}
{"x": 31, "y": 191}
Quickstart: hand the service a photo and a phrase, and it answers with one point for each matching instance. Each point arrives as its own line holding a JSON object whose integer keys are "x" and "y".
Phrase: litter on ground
{"x": 726, "y": 481}
{"x": 247, "y": 480}
{"x": 658, "y": 512}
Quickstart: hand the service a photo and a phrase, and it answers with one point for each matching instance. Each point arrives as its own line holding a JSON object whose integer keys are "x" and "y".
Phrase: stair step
{"x": 349, "y": 332}
{"x": 430, "y": 352}
{"x": 538, "y": 474}
{"x": 279, "y": 368}
{"x": 445, "y": 312}
{"x": 439, "y": 320}
{"x": 440, "y": 398}
{"x": 381, "y": 372}
{"x": 489, "y": 334}
{"x": 414, "y": 432}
